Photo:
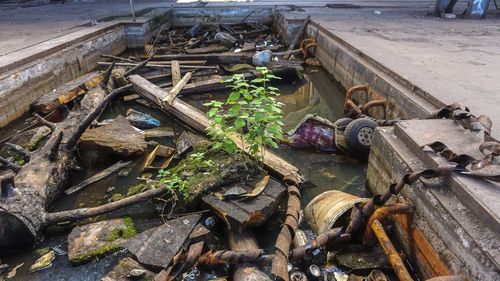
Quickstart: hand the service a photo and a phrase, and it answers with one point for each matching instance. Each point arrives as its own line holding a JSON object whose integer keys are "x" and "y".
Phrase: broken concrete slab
{"x": 201, "y": 233}
{"x": 128, "y": 269}
{"x": 240, "y": 215}
{"x": 97, "y": 239}
{"x": 119, "y": 137}
{"x": 157, "y": 246}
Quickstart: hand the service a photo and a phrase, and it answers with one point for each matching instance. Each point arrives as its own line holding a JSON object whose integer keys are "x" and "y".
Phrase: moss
{"x": 205, "y": 169}
{"x": 136, "y": 189}
{"x": 99, "y": 252}
{"x": 117, "y": 196}
{"x": 35, "y": 144}
{"x": 128, "y": 232}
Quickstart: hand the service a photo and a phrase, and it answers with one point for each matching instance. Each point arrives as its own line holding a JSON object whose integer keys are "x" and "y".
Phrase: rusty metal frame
{"x": 394, "y": 258}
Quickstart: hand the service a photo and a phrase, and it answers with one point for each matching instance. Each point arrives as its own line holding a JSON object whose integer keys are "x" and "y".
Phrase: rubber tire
{"x": 342, "y": 123}
{"x": 359, "y": 135}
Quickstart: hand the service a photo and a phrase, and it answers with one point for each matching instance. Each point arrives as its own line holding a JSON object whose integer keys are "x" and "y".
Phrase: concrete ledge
{"x": 34, "y": 71}
{"x": 351, "y": 67}
{"x": 457, "y": 235}
{"x": 23, "y": 85}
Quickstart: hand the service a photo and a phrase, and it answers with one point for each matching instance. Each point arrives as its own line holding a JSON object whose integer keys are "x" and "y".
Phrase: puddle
{"x": 318, "y": 94}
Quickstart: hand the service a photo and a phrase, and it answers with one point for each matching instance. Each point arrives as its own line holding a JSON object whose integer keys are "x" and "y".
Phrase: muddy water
{"x": 318, "y": 94}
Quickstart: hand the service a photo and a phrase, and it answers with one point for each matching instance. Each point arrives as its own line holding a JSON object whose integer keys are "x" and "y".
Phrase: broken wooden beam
{"x": 200, "y": 122}
{"x": 209, "y": 49}
{"x": 172, "y": 94}
{"x": 83, "y": 213}
{"x": 160, "y": 66}
{"x": 220, "y": 58}
{"x": 97, "y": 177}
{"x": 40, "y": 181}
{"x": 176, "y": 72}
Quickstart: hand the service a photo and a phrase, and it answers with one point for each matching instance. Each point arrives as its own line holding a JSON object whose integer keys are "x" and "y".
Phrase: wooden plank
{"x": 176, "y": 72}
{"x": 219, "y": 58}
{"x": 172, "y": 94}
{"x": 160, "y": 66}
{"x": 209, "y": 49}
{"x": 296, "y": 38}
{"x": 199, "y": 121}
{"x": 97, "y": 177}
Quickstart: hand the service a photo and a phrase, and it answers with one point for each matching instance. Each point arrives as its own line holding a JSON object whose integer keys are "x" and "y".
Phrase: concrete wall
{"x": 351, "y": 67}
{"x": 455, "y": 235}
{"x": 21, "y": 86}
{"x": 213, "y": 15}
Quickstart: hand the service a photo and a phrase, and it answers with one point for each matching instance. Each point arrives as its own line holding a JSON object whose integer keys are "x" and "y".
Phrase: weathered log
{"x": 82, "y": 213}
{"x": 40, "y": 181}
{"x": 280, "y": 262}
{"x": 246, "y": 241}
{"x": 19, "y": 149}
{"x": 220, "y": 58}
{"x": 200, "y": 122}
{"x": 11, "y": 165}
{"x": 85, "y": 123}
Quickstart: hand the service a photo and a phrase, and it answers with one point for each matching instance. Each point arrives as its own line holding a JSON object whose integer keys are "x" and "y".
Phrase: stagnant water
{"x": 319, "y": 94}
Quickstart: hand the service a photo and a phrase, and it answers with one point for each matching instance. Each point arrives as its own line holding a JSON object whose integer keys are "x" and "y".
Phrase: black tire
{"x": 342, "y": 123}
{"x": 359, "y": 135}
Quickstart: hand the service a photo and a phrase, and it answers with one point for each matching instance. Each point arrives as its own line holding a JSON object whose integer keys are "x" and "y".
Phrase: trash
{"x": 164, "y": 152}
{"x": 262, "y": 58}
{"x": 359, "y": 135}
{"x": 314, "y": 271}
{"x": 323, "y": 212}
{"x": 195, "y": 30}
{"x": 118, "y": 137}
{"x": 360, "y": 259}
{"x": 209, "y": 222}
{"x": 312, "y": 131}
{"x": 141, "y": 120}
{"x": 137, "y": 274}
{"x": 43, "y": 262}
{"x": 377, "y": 275}
{"x": 59, "y": 251}
{"x": 377, "y": 12}
{"x": 297, "y": 275}
{"x": 225, "y": 39}
{"x": 13, "y": 271}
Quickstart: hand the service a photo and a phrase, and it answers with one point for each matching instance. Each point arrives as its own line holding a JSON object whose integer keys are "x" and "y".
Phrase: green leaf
{"x": 239, "y": 123}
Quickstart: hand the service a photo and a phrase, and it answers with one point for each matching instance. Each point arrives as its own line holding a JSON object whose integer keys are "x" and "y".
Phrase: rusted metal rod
{"x": 379, "y": 214}
{"x": 285, "y": 237}
{"x": 394, "y": 258}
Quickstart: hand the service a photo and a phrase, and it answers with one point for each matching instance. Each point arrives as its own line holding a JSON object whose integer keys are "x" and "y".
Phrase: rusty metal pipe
{"x": 394, "y": 258}
{"x": 380, "y": 213}
{"x": 371, "y": 104}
